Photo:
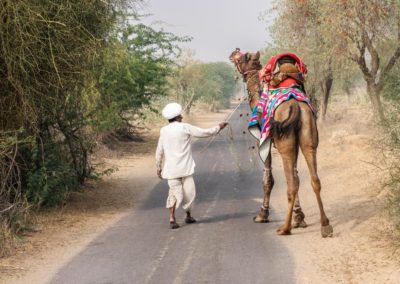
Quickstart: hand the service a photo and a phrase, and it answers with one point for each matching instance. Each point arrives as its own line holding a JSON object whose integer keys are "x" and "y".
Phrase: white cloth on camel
{"x": 181, "y": 190}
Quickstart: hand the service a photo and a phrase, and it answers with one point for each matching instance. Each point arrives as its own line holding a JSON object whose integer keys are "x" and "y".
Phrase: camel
{"x": 294, "y": 127}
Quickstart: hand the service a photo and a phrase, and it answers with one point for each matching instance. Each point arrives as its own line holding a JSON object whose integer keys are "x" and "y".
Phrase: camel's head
{"x": 235, "y": 55}
{"x": 246, "y": 63}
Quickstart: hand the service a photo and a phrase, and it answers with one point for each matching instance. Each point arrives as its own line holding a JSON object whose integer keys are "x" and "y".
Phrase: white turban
{"x": 171, "y": 110}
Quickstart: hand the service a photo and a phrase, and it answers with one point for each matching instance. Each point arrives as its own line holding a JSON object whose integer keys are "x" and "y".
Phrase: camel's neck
{"x": 253, "y": 90}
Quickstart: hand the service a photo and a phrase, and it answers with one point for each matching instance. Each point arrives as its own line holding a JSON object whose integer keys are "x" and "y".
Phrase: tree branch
{"x": 375, "y": 60}
{"x": 360, "y": 60}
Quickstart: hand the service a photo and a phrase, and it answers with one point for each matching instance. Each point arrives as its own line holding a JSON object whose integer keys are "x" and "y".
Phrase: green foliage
{"x": 49, "y": 184}
{"x": 391, "y": 90}
{"x": 218, "y": 87}
{"x": 211, "y": 83}
{"x": 132, "y": 71}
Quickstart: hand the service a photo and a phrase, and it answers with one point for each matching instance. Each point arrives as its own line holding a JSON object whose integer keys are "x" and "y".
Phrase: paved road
{"x": 225, "y": 246}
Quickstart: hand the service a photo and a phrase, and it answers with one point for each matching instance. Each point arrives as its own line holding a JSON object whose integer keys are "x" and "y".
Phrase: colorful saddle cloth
{"x": 267, "y": 104}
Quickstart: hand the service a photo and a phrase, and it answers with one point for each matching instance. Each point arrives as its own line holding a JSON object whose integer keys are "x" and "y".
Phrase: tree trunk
{"x": 347, "y": 85}
{"x": 326, "y": 88}
{"x": 188, "y": 101}
{"x": 311, "y": 93}
{"x": 374, "y": 94}
{"x": 188, "y": 107}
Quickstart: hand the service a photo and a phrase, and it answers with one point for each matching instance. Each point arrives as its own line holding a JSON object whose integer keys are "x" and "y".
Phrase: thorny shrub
{"x": 391, "y": 144}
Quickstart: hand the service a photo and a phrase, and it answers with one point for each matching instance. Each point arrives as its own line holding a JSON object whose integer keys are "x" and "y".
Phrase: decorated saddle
{"x": 280, "y": 88}
{"x": 282, "y": 67}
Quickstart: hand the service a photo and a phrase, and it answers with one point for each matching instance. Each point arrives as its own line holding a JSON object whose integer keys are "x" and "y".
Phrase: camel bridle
{"x": 246, "y": 73}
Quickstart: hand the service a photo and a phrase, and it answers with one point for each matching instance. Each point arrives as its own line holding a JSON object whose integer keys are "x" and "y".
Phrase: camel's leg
{"x": 299, "y": 216}
{"x": 268, "y": 183}
{"x": 310, "y": 156}
{"x": 308, "y": 145}
{"x": 288, "y": 150}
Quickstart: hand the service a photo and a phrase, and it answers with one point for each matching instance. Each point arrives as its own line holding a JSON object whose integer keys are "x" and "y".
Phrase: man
{"x": 174, "y": 160}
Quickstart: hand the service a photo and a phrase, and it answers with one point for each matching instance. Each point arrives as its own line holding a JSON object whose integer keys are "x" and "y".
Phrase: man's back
{"x": 174, "y": 145}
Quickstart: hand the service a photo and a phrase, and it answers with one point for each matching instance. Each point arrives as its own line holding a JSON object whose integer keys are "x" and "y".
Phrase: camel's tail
{"x": 281, "y": 129}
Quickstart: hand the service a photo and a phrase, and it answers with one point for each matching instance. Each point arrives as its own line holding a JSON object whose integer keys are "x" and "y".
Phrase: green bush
{"x": 391, "y": 142}
{"x": 49, "y": 184}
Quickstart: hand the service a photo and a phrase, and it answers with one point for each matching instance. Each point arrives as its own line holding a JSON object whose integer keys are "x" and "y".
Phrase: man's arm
{"x": 159, "y": 156}
{"x": 204, "y": 132}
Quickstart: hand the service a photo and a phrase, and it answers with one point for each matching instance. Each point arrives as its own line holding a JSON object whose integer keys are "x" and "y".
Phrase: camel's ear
{"x": 257, "y": 55}
{"x": 247, "y": 56}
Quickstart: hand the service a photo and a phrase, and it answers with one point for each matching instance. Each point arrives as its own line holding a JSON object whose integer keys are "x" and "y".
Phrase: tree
{"x": 218, "y": 87}
{"x": 368, "y": 31}
{"x": 300, "y": 27}
{"x": 132, "y": 72}
{"x": 211, "y": 83}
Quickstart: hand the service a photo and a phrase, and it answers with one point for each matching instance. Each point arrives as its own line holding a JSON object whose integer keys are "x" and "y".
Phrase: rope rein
{"x": 229, "y": 116}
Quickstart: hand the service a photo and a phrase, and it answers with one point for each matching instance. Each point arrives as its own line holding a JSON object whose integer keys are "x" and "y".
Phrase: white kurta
{"x": 174, "y": 153}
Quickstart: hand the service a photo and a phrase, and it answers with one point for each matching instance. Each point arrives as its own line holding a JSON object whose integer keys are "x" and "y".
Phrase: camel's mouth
{"x": 233, "y": 59}
{"x": 235, "y": 55}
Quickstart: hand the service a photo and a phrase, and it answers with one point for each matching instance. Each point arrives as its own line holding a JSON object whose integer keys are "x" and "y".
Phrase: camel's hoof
{"x": 282, "y": 231}
{"x": 298, "y": 219}
{"x": 262, "y": 216}
{"x": 259, "y": 219}
{"x": 301, "y": 224}
{"x": 327, "y": 231}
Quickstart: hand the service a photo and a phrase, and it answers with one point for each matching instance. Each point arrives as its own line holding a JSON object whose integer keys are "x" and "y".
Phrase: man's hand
{"x": 222, "y": 125}
{"x": 159, "y": 173}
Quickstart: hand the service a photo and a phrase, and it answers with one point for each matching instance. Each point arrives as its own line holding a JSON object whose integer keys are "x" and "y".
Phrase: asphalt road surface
{"x": 224, "y": 246}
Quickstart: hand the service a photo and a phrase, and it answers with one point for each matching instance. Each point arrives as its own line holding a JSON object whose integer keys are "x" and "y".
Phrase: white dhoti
{"x": 181, "y": 190}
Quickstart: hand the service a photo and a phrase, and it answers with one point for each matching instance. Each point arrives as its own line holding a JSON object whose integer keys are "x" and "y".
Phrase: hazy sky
{"x": 217, "y": 26}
